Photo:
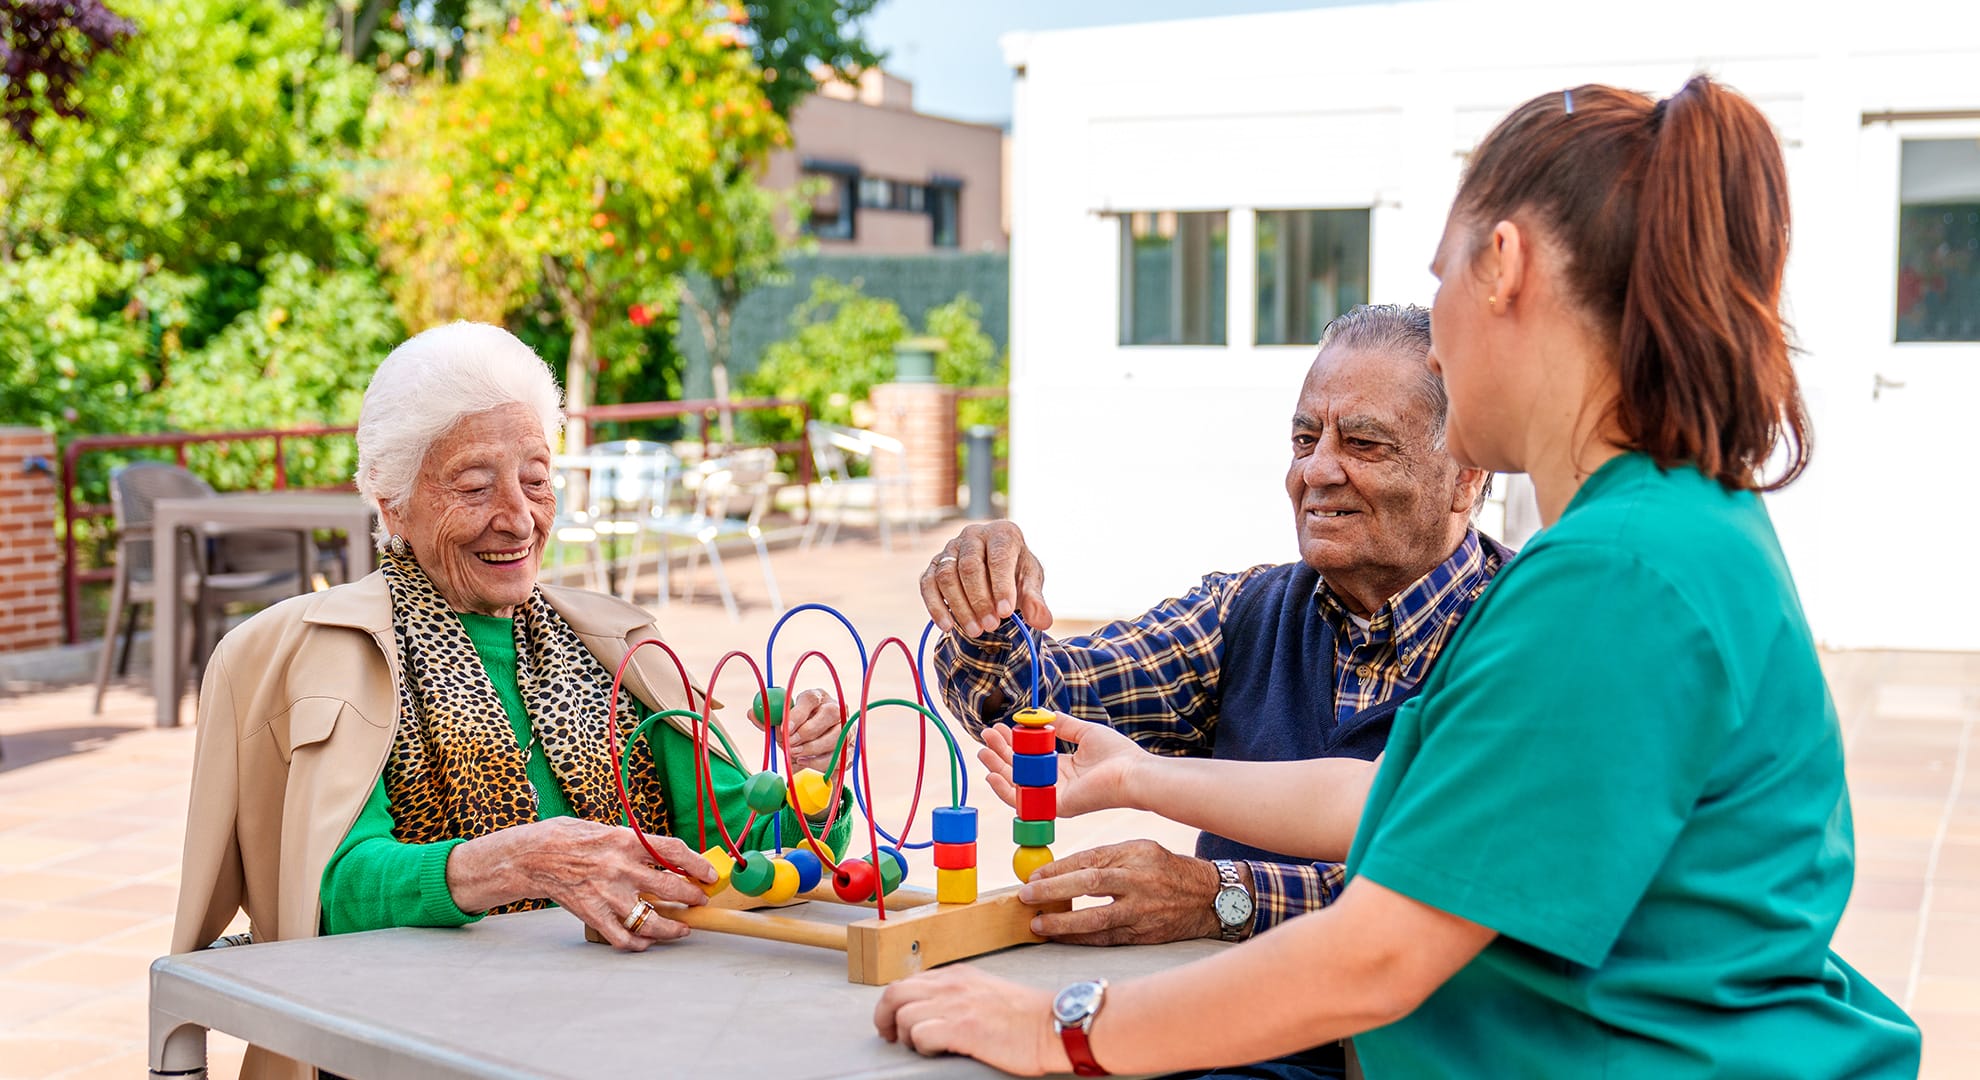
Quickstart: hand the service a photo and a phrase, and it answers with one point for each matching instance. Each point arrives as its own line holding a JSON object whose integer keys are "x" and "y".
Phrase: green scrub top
{"x": 1627, "y": 763}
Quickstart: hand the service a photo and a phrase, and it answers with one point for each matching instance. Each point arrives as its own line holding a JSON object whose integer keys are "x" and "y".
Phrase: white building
{"x": 1192, "y": 200}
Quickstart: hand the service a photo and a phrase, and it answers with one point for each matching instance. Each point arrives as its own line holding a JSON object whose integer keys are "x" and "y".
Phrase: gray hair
{"x": 432, "y": 382}
{"x": 1404, "y": 330}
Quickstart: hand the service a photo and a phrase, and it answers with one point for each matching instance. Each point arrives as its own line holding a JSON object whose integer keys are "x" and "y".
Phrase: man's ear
{"x": 1469, "y": 490}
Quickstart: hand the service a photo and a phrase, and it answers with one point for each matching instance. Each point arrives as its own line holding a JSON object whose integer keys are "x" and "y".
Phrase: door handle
{"x": 1882, "y": 384}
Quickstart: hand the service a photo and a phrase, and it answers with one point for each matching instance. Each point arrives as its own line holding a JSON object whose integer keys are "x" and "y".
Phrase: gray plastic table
{"x": 525, "y": 996}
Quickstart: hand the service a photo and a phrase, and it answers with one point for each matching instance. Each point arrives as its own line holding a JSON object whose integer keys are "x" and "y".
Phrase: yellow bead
{"x": 814, "y": 792}
{"x": 955, "y": 886}
{"x": 1028, "y": 859}
{"x": 784, "y": 886}
{"x": 1032, "y": 717}
{"x": 820, "y": 849}
{"x": 724, "y": 864}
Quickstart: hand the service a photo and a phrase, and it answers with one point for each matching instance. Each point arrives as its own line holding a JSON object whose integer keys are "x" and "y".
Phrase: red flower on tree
{"x": 640, "y": 314}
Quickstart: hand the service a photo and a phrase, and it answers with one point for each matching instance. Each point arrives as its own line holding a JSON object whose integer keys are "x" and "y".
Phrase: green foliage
{"x": 789, "y": 37}
{"x": 842, "y": 345}
{"x": 576, "y": 157}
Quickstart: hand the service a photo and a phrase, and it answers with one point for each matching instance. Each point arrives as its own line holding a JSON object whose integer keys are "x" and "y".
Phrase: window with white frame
{"x": 1938, "y": 272}
{"x": 1312, "y": 266}
{"x": 1173, "y": 274}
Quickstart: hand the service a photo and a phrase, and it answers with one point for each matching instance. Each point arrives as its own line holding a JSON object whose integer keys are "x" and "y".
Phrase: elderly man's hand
{"x": 1157, "y": 896}
{"x": 812, "y": 725}
{"x": 982, "y": 576}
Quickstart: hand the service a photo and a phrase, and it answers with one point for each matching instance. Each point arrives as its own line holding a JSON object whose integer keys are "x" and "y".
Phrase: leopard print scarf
{"x": 455, "y": 768}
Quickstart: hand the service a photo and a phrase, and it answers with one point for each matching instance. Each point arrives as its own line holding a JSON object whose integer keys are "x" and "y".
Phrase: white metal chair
{"x": 832, "y": 448}
{"x": 256, "y": 566}
{"x": 731, "y": 497}
{"x": 611, "y": 492}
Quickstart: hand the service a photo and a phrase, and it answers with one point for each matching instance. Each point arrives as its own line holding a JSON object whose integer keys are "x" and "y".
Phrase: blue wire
{"x": 770, "y": 681}
{"x": 1031, "y": 646}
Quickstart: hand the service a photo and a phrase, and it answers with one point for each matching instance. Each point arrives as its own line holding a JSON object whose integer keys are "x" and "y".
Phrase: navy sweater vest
{"x": 1276, "y": 688}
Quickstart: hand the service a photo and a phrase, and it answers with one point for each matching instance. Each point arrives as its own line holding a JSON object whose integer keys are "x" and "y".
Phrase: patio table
{"x": 526, "y": 995}
{"x": 238, "y": 510}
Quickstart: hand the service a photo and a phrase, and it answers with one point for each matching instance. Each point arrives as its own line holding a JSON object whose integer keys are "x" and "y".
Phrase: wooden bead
{"x": 956, "y": 886}
{"x": 954, "y": 856}
{"x": 724, "y": 865}
{"x": 784, "y": 884}
{"x": 955, "y": 824}
{"x": 776, "y": 708}
{"x": 1033, "y": 833}
{"x": 810, "y": 870}
{"x": 1032, "y": 718}
{"x": 814, "y": 792}
{"x": 1035, "y": 740}
{"x": 1038, "y": 803}
{"x": 855, "y": 881}
{"x": 754, "y": 875}
{"x": 764, "y": 792}
{"x": 1027, "y": 860}
{"x": 893, "y": 869}
{"x": 1034, "y": 770}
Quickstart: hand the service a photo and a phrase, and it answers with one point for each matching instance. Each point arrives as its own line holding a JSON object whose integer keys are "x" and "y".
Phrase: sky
{"x": 948, "y": 48}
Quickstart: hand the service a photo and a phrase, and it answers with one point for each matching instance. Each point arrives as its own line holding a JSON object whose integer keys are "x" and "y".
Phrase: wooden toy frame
{"x": 917, "y": 933}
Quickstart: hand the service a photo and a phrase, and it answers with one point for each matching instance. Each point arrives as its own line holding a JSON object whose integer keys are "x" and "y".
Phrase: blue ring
{"x": 770, "y": 679}
{"x": 1031, "y": 646}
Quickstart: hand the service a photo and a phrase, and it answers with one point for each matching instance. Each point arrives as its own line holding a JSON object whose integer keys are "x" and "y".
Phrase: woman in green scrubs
{"x": 1611, "y": 836}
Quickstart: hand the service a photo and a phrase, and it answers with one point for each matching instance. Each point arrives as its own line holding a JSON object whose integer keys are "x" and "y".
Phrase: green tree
{"x": 574, "y": 157}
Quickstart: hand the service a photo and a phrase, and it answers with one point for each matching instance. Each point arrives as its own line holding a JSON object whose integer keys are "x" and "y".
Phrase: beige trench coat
{"x": 296, "y": 716}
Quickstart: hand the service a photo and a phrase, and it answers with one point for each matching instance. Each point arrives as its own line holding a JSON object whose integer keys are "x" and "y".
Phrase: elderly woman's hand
{"x": 813, "y": 720}
{"x": 596, "y": 872}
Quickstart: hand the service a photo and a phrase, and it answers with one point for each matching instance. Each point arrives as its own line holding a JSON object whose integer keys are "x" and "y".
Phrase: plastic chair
{"x": 832, "y": 447}
{"x": 731, "y": 498}
{"x": 611, "y": 491}
{"x": 256, "y": 566}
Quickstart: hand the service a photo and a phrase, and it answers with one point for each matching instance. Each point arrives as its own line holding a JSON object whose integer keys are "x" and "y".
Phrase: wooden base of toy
{"x": 917, "y": 933}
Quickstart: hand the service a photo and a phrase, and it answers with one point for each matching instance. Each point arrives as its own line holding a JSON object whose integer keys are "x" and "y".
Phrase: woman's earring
{"x": 1493, "y": 303}
{"x": 396, "y": 545}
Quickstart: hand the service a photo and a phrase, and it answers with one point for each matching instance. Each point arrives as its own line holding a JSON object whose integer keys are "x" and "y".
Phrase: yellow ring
{"x": 636, "y": 918}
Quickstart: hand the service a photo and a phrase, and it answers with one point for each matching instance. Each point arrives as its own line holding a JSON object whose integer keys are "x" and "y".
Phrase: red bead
{"x": 1035, "y": 740}
{"x": 855, "y": 881}
{"x": 1037, "y": 803}
{"x": 955, "y": 856}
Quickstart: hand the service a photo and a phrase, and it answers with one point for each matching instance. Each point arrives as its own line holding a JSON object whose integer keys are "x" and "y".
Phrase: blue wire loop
{"x": 770, "y": 676}
{"x": 1031, "y": 646}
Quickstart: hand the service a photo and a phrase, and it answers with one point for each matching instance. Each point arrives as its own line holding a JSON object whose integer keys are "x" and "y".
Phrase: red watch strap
{"x": 1081, "y": 1052}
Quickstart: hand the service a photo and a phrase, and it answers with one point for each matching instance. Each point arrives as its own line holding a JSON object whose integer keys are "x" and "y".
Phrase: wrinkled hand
{"x": 960, "y": 1010}
{"x": 1097, "y": 775}
{"x": 1157, "y": 895}
{"x": 597, "y": 872}
{"x": 983, "y": 575}
{"x": 811, "y": 724}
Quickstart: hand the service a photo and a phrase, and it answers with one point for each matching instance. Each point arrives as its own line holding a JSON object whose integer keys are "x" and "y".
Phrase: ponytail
{"x": 1674, "y": 217}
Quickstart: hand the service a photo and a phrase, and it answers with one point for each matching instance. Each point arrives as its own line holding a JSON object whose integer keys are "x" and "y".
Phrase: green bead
{"x": 776, "y": 708}
{"x": 754, "y": 875}
{"x": 764, "y": 792}
{"x": 892, "y": 869}
{"x": 1032, "y": 833}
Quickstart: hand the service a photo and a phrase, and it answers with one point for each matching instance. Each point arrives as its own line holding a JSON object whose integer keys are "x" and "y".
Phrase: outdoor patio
{"x": 91, "y": 817}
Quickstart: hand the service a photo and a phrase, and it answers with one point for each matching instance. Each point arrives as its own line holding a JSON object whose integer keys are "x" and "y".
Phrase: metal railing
{"x": 75, "y": 512}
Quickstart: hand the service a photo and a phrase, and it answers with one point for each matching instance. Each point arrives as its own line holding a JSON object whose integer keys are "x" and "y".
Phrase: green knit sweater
{"x": 374, "y": 881}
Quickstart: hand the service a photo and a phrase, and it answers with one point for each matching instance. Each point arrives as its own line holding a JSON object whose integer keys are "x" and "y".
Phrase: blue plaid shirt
{"x": 1154, "y": 678}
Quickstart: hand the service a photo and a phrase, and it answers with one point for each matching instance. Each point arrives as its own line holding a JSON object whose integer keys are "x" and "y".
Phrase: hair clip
{"x": 1567, "y": 98}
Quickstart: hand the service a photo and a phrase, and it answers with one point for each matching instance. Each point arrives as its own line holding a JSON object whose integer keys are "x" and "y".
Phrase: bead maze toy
{"x": 911, "y": 928}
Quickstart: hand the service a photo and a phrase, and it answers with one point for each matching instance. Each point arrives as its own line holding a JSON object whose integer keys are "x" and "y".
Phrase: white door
{"x": 1900, "y": 557}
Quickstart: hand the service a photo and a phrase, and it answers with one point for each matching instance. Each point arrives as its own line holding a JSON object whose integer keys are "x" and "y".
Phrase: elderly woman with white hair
{"x": 429, "y": 744}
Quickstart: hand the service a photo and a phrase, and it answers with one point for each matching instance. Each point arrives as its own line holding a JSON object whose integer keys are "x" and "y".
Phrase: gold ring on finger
{"x": 637, "y": 917}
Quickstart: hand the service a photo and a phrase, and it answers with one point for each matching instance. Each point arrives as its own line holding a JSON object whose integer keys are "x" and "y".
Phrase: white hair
{"x": 432, "y": 382}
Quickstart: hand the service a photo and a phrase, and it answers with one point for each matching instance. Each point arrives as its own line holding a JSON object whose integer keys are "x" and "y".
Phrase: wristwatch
{"x": 1073, "y": 1011}
{"x": 1233, "y": 903}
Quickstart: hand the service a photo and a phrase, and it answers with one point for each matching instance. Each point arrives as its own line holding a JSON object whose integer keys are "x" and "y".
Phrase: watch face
{"x": 1233, "y": 906}
{"x": 1076, "y": 1002}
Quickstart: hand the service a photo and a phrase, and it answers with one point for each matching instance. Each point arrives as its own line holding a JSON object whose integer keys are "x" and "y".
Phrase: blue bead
{"x": 810, "y": 870}
{"x": 955, "y": 824}
{"x": 1035, "y": 770}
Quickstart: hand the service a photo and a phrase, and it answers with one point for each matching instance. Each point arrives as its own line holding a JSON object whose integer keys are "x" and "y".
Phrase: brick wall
{"x": 923, "y": 417}
{"x": 30, "y": 559}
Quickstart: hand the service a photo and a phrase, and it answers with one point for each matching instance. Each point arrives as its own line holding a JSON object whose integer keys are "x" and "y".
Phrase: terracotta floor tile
{"x": 120, "y": 862}
{"x": 92, "y": 830}
{"x": 150, "y": 898}
{"x": 1951, "y": 1060}
{"x": 1958, "y": 862}
{"x": 1955, "y": 898}
{"x": 36, "y": 1058}
{"x": 21, "y": 852}
{"x": 124, "y": 1066}
{"x": 1952, "y": 947}
{"x": 109, "y": 1018}
{"x": 1887, "y": 894}
{"x": 86, "y": 967}
{"x": 14, "y": 819}
{"x": 1948, "y": 1028}
{"x": 16, "y": 953}
{"x": 1942, "y": 993}
{"x": 66, "y": 924}
{"x": 49, "y": 887}
{"x": 152, "y": 939}
{"x": 23, "y": 1003}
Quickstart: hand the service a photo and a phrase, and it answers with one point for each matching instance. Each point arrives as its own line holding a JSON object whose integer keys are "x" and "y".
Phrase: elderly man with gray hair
{"x": 1301, "y": 660}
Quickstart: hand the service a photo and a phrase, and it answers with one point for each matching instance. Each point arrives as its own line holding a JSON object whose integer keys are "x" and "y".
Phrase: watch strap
{"x": 1079, "y": 1050}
